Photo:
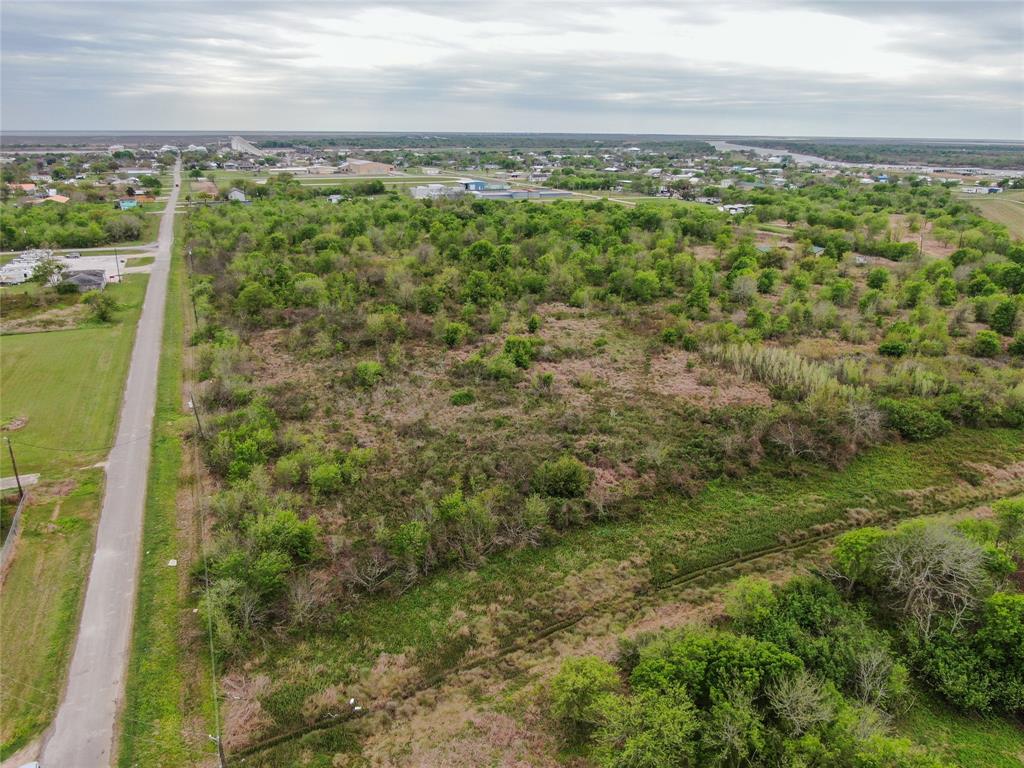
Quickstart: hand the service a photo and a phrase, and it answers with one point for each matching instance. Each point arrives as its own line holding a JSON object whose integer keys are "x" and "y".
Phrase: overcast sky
{"x": 787, "y": 67}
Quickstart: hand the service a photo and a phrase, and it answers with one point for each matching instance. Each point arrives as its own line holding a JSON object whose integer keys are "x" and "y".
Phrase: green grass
{"x": 158, "y": 682}
{"x": 68, "y": 384}
{"x": 140, "y": 261}
{"x": 967, "y": 741}
{"x": 1006, "y": 208}
{"x": 39, "y": 608}
{"x": 729, "y": 518}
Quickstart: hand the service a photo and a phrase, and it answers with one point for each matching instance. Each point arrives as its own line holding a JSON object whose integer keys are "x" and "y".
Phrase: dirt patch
{"x": 15, "y": 424}
{"x": 900, "y": 229}
{"x": 458, "y": 733}
{"x": 204, "y": 188}
{"x": 48, "y": 320}
{"x": 678, "y": 374}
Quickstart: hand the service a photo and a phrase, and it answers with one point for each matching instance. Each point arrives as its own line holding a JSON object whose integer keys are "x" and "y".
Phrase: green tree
{"x": 578, "y": 692}
{"x": 102, "y": 304}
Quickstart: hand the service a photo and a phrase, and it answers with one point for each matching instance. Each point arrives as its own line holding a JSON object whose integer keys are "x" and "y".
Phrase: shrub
{"x": 750, "y": 602}
{"x": 367, "y": 373}
{"x": 893, "y": 348}
{"x": 463, "y": 397}
{"x": 1016, "y": 346}
{"x": 565, "y": 478}
{"x": 855, "y": 552}
{"x": 709, "y": 664}
{"x": 933, "y": 571}
{"x": 326, "y": 479}
{"x": 649, "y": 730}
{"x": 102, "y": 305}
{"x": 878, "y": 278}
{"x": 578, "y": 692}
{"x": 501, "y": 368}
{"x": 533, "y": 324}
{"x": 913, "y": 420}
{"x": 1004, "y": 317}
{"x": 454, "y": 333}
{"x": 1010, "y": 516}
{"x": 385, "y": 326}
{"x": 284, "y": 532}
{"x": 246, "y": 440}
{"x": 521, "y": 350}
{"x": 986, "y": 344}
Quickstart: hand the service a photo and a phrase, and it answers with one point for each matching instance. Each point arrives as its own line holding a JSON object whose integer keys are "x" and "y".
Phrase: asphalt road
{"x": 83, "y": 733}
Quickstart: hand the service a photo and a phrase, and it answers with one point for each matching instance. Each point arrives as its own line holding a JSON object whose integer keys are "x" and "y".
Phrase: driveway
{"x": 83, "y": 733}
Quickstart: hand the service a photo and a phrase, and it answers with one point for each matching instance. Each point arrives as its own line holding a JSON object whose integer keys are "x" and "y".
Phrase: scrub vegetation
{"x": 434, "y": 432}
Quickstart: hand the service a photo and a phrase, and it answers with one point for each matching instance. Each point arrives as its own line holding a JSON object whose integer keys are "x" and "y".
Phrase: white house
{"x": 236, "y": 195}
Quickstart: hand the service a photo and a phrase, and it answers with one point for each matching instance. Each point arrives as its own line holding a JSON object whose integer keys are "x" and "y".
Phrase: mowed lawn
{"x": 69, "y": 385}
{"x": 1006, "y": 208}
{"x": 39, "y": 605}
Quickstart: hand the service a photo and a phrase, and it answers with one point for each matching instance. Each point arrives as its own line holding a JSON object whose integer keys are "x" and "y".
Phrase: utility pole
{"x": 221, "y": 759}
{"x": 195, "y": 412}
{"x": 17, "y": 477}
{"x": 191, "y": 292}
{"x": 117, "y": 265}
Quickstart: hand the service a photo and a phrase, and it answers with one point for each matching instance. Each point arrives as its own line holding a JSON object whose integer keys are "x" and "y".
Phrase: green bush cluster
{"x": 809, "y": 672}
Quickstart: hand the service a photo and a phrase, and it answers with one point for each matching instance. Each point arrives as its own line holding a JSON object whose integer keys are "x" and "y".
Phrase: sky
{"x": 765, "y": 67}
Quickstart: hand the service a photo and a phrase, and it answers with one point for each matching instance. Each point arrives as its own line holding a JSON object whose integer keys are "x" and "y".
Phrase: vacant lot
{"x": 66, "y": 386}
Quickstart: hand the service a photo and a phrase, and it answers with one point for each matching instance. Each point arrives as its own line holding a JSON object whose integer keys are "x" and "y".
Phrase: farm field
{"x": 67, "y": 386}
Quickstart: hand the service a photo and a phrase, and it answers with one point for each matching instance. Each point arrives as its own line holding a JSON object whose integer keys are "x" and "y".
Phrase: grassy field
{"x": 1006, "y": 208}
{"x": 140, "y": 261}
{"x": 68, "y": 385}
{"x": 39, "y": 606}
{"x": 966, "y": 741}
{"x": 668, "y": 537}
{"x": 159, "y": 679}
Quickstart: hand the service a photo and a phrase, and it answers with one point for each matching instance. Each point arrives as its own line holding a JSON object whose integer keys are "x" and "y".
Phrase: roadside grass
{"x": 442, "y": 621}
{"x": 39, "y": 607}
{"x": 160, "y": 692}
{"x": 968, "y": 741}
{"x": 140, "y": 261}
{"x": 69, "y": 385}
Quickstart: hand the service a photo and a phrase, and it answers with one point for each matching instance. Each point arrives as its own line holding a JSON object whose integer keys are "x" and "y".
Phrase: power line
{"x": 83, "y": 449}
{"x": 198, "y": 504}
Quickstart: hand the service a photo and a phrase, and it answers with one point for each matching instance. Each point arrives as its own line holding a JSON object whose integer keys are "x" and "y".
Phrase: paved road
{"x": 83, "y": 733}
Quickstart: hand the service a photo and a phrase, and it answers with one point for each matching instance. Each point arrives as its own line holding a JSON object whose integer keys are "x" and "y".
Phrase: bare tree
{"x": 801, "y": 702}
{"x": 371, "y": 571}
{"x": 932, "y": 570}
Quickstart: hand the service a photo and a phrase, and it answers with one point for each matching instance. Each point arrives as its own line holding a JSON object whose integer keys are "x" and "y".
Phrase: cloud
{"x": 803, "y": 67}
